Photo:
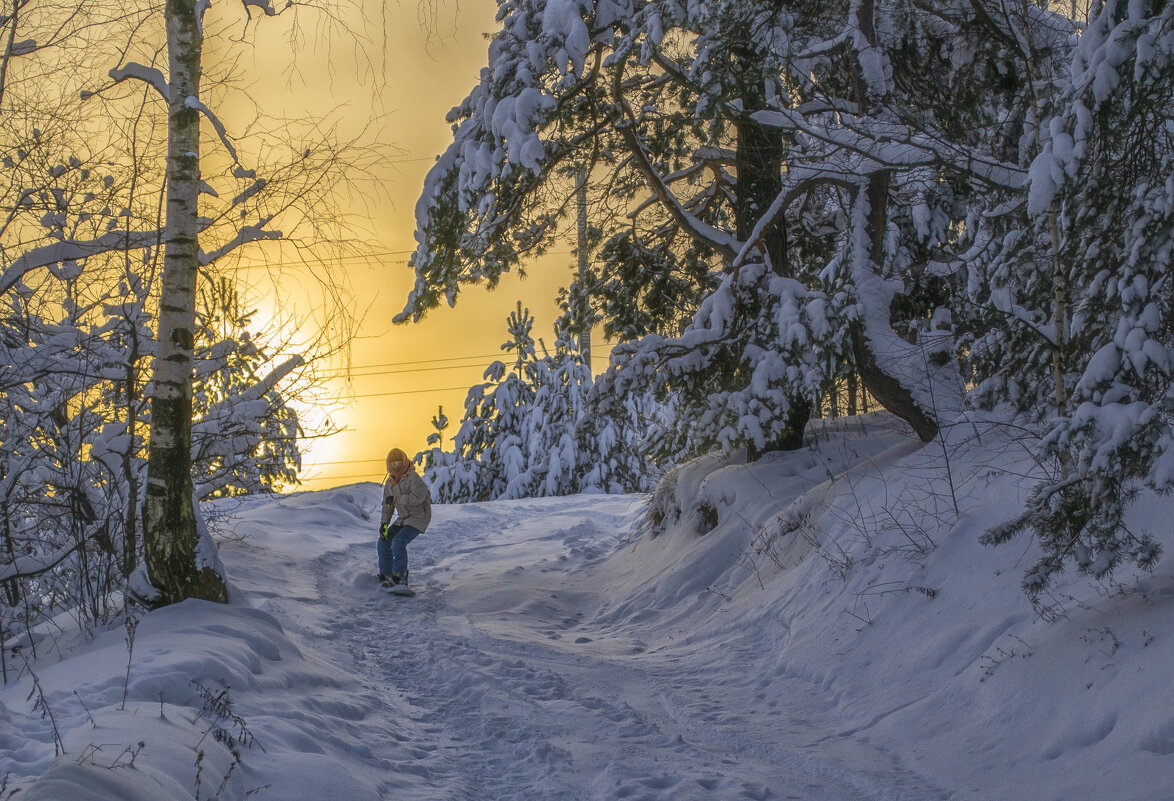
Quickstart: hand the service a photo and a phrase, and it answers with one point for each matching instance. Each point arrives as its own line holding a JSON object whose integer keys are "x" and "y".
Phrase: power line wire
{"x": 357, "y": 257}
{"x": 353, "y": 461}
{"x": 401, "y": 372}
{"x": 494, "y": 356}
{"x": 367, "y": 258}
{"x": 423, "y": 369}
{"x": 408, "y": 392}
{"x": 341, "y": 372}
{"x": 306, "y": 480}
{"x": 423, "y": 361}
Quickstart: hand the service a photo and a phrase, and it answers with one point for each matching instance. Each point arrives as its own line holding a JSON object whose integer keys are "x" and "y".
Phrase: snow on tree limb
{"x": 245, "y": 235}
{"x": 21, "y": 48}
{"x": 892, "y": 145}
{"x": 798, "y": 183}
{"x": 151, "y": 76}
{"x": 262, "y": 387}
{"x": 937, "y": 392}
{"x": 35, "y": 565}
{"x": 217, "y": 125}
{"x": 266, "y": 7}
{"x": 250, "y": 191}
{"x": 73, "y": 250}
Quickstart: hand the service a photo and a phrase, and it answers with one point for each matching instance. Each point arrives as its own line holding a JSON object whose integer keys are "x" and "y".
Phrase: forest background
{"x": 961, "y": 212}
{"x": 950, "y": 211}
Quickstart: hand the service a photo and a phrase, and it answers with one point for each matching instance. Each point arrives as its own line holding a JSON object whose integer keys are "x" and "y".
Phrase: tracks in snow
{"x": 503, "y": 706}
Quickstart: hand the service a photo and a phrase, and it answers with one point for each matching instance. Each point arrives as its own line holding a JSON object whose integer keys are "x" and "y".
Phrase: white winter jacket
{"x": 409, "y": 497}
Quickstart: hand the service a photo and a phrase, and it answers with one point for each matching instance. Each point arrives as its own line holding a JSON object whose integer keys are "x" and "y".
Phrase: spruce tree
{"x": 489, "y": 447}
{"x": 1107, "y": 166}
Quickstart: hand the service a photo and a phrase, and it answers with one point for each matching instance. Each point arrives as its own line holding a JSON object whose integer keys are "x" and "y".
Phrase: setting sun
{"x": 399, "y": 374}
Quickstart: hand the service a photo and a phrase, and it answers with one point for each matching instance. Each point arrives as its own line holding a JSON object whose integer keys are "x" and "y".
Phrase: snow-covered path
{"x": 507, "y": 678}
{"x": 815, "y": 627}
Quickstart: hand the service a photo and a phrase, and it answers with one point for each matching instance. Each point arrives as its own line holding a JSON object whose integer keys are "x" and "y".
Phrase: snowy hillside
{"x": 820, "y": 626}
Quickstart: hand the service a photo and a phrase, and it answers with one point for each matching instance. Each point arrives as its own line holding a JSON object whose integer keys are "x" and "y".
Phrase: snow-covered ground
{"x": 819, "y": 626}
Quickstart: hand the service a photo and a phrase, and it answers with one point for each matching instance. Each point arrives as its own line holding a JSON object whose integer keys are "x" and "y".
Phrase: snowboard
{"x": 402, "y": 590}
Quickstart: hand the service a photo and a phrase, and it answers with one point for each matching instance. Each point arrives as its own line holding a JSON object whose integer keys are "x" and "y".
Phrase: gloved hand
{"x": 383, "y": 531}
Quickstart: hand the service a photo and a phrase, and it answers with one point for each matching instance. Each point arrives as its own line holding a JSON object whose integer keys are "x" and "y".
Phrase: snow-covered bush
{"x": 759, "y": 343}
{"x": 73, "y": 420}
{"x": 533, "y": 432}
{"x": 76, "y": 338}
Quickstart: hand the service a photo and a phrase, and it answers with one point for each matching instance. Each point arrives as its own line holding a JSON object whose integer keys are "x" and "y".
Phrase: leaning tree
{"x": 810, "y": 168}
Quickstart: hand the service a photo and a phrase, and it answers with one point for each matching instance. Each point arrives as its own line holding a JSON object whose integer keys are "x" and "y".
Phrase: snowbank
{"x": 817, "y": 625}
{"x": 295, "y": 725}
{"x": 855, "y": 567}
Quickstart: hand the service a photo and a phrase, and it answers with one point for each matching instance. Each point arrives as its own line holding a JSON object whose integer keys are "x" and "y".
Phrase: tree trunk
{"x": 176, "y": 563}
{"x": 11, "y": 587}
{"x": 582, "y": 316}
{"x": 888, "y": 390}
{"x": 876, "y": 378}
{"x": 130, "y": 555}
{"x": 758, "y": 160}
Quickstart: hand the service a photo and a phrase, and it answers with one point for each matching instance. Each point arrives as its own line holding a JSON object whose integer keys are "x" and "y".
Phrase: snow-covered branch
{"x": 245, "y": 235}
{"x": 151, "y": 76}
{"x": 891, "y": 145}
{"x": 217, "y": 125}
{"x": 74, "y": 250}
{"x": 35, "y": 565}
{"x": 713, "y": 237}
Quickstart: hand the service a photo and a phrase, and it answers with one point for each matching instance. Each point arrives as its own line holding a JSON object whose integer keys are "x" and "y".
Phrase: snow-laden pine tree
{"x": 847, "y": 148}
{"x": 754, "y": 362}
{"x": 554, "y": 464}
{"x": 245, "y": 438}
{"x": 436, "y": 456}
{"x": 1102, "y": 196}
{"x": 489, "y": 447}
{"x": 614, "y": 435}
{"x": 533, "y": 429}
{"x": 906, "y": 122}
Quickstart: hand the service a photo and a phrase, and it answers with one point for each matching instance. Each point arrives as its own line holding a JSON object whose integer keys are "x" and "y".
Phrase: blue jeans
{"x": 393, "y": 550}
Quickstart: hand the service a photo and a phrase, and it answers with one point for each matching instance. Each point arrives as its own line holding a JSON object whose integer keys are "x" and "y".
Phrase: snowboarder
{"x": 405, "y": 493}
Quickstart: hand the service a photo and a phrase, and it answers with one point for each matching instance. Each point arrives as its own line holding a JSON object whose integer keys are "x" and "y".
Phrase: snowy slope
{"x": 820, "y": 626}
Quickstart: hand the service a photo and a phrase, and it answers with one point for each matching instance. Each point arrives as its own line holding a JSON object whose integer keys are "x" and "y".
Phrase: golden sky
{"x": 430, "y": 61}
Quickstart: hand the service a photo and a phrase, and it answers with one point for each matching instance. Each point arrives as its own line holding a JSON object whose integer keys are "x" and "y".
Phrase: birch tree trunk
{"x": 181, "y": 560}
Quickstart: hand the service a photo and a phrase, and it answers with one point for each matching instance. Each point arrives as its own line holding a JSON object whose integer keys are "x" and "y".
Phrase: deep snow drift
{"x": 819, "y": 626}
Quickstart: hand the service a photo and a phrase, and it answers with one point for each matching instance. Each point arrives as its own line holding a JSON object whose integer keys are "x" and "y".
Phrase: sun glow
{"x": 383, "y": 391}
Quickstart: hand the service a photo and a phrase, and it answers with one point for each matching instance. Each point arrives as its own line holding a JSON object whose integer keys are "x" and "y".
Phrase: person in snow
{"x": 406, "y": 498}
